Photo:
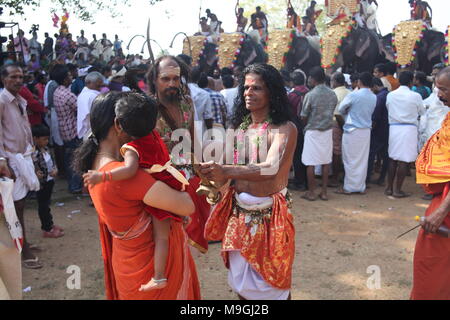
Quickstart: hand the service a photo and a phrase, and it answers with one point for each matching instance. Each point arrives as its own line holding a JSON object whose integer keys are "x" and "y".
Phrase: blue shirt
{"x": 357, "y": 108}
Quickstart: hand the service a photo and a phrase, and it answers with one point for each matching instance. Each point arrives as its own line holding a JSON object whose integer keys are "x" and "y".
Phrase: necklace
{"x": 255, "y": 143}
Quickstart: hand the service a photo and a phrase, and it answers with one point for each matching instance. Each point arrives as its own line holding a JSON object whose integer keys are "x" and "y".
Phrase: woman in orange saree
{"x": 126, "y": 232}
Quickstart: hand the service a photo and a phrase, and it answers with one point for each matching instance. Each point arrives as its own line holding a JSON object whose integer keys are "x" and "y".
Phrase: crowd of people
{"x": 110, "y": 126}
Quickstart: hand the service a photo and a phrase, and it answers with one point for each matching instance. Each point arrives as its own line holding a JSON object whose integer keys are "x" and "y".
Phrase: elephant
{"x": 360, "y": 52}
{"x": 429, "y": 52}
{"x": 303, "y": 55}
{"x": 250, "y": 52}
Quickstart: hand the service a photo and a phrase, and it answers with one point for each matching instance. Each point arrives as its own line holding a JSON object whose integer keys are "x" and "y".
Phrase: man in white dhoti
{"x": 404, "y": 108}
{"x": 317, "y": 115}
{"x": 257, "y": 204}
{"x": 357, "y": 109}
{"x": 16, "y": 144}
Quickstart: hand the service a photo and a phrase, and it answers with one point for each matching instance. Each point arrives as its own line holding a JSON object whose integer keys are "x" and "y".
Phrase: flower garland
{"x": 401, "y": 48}
{"x": 329, "y": 41}
{"x": 202, "y": 52}
{"x": 447, "y": 47}
{"x": 256, "y": 142}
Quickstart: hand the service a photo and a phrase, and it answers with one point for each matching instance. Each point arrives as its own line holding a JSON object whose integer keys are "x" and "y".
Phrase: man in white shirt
{"x": 94, "y": 82}
{"x": 202, "y": 103}
{"x": 230, "y": 94}
{"x": 404, "y": 108}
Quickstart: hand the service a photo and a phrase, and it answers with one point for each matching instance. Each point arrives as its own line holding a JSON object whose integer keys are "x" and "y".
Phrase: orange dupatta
{"x": 433, "y": 164}
{"x": 270, "y": 250}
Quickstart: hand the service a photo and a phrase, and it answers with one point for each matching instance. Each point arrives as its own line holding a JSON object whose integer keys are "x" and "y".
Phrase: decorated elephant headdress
{"x": 278, "y": 46}
{"x": 194, "y": 47}
{"x": 406, "y": 38}
{"x": 229, "y": 49}
{"x": 332, "y": 41}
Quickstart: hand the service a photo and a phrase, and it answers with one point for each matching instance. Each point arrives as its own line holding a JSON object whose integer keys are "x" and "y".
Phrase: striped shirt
{"x": 66, "y": 108}
{"x": 218, "y": 107}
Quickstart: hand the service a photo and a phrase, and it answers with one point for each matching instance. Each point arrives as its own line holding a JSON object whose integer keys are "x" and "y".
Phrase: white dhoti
{"x": 26, "y": 179}
{"x": 242, "y": 278}
{"x": 318, "y": 148}
{"x": 403, "y": 141}
{"x": 355, "y": 155}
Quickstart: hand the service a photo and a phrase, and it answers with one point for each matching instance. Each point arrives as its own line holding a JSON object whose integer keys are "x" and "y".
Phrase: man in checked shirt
{"x": 66, "y": 108}
{"x": 218, "y": 105}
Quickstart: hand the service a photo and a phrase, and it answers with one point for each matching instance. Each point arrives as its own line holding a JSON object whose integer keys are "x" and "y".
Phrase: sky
{"x": 173, "y": 16}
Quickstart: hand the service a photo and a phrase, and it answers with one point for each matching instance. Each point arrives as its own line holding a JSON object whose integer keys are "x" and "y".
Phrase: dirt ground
{"x": 336, "y": 242}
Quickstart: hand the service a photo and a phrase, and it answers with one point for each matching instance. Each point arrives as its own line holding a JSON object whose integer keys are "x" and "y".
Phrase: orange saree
{"x": 126, "y": 236}
{"x": 432, "y": 252}
{"x": 266, "y": 242}
{"x": 432, "y": 261}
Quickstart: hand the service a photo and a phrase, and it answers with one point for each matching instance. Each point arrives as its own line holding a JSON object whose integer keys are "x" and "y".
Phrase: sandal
{"x": 58, "y": 228}
{"x": 34, "y": 247}
{"x": 342, "y": 192}
{"x": 401, "y": 195}
{"x": 53, "y": 234}
{"x": 323, "y": 198}
{"x": 388, "y": 193}
{"x": 307, "y": 197}
{"x": 32, "y": 263}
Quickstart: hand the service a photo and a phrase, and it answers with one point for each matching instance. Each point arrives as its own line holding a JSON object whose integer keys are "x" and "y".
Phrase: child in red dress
{"x": 135, "y": 114}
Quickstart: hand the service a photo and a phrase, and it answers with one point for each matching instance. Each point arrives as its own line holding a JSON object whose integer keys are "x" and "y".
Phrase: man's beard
{"x": 172, "y": 95}
{"x": 444, "y": 101}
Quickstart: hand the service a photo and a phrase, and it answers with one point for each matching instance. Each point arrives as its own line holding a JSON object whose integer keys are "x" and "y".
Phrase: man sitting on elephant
{"x": 421, "y": 10}
{"x": 241, "y": 19}
{"x": 293, "y": 20}
{"x": 260, "y": 23}
{"x": 313, "y": 15}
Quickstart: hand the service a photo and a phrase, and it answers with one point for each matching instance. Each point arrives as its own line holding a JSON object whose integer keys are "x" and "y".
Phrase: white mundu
{"x": 318, "y": 148}
{"x": 404, "y": 107}
{"x": 242, "y": 278}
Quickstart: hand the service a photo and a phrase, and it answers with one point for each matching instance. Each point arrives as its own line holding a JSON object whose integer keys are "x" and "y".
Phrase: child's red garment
{"x": 153, "y": 152}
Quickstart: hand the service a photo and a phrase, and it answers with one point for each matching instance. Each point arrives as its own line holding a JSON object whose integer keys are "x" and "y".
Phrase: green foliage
{"x": 84, "y": 9}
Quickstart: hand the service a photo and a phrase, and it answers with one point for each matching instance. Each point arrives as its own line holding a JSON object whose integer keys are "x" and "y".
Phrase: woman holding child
{"x": 126, "y": 227}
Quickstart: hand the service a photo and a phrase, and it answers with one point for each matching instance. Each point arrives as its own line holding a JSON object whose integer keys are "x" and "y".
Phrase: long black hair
{"x": 102, "y": 118}
{"x": 280, "y": 112}
{"x": 153, "y": 74}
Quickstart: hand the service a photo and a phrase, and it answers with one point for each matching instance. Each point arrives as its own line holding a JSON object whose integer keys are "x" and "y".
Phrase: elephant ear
{"x": 436, "y": 40}
{"x": 362, "y": 43}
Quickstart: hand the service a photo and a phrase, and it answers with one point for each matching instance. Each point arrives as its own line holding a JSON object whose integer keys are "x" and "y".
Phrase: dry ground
{"x": 336, "y": 243}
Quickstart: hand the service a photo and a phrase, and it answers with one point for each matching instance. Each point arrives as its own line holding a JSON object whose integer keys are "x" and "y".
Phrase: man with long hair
{"x": 168, "y": 83}
{"x": 255, "y": 202}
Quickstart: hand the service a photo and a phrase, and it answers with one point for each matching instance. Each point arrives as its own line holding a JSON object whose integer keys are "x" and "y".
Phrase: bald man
{"x": 432, "y": 253}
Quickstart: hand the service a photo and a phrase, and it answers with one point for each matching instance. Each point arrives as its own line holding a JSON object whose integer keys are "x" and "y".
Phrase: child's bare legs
{"x": 161, "y": 230}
